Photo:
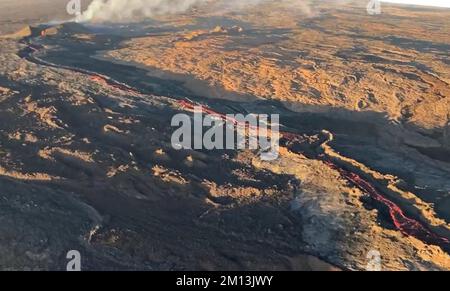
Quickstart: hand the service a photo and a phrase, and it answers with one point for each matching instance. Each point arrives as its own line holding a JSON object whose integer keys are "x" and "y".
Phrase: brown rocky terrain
{"x": 86, "y": 161}
{"x": 340, "y": 58}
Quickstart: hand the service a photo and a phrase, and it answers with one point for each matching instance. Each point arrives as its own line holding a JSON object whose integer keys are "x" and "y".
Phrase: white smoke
{"x": 125, "y": 10}
{"x": 128, "y": 10}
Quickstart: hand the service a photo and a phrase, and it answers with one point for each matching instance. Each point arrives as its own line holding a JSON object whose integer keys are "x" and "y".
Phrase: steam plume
{"x": 128, "y": 10}
{"x": 125, "y": 10}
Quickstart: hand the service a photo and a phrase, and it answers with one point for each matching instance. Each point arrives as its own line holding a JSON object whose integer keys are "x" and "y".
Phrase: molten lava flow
{"x": 99, "y": 80}
{"x": 405, "y": 225}
{"x": 116, "y": 85}
{"x": 251, "y": 130}
{"x": 189, "y": 105}
{"x": 31, "y": 49}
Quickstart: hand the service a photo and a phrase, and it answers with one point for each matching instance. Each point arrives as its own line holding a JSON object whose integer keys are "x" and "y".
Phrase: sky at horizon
{"x": 437, "y": 3}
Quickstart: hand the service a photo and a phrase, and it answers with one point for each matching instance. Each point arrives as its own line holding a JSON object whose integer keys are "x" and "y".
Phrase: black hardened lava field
{"x": 210, "y": 135}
